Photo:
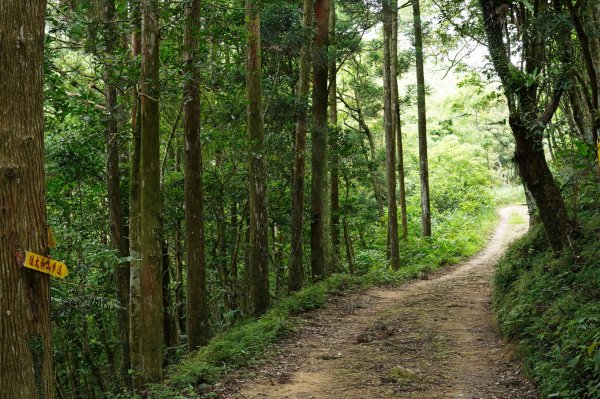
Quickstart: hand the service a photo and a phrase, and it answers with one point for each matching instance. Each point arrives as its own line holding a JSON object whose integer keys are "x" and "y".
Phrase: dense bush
{"x": 551, "y": 306}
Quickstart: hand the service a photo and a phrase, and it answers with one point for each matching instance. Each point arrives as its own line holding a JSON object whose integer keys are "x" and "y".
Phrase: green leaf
{"x": 575, "y": 361}
{"x": 527, "y": 5}
{"x": 592, "y": 348}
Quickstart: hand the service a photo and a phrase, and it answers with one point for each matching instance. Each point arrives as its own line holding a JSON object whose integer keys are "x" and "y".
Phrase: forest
{"x": 190, "y": 190}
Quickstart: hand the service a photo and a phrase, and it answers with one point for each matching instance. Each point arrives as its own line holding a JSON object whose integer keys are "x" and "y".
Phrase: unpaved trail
{"x": 440, "y": 331}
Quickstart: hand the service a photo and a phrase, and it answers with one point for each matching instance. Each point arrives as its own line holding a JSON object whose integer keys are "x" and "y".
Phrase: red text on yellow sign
{"x": 45, "y": 265}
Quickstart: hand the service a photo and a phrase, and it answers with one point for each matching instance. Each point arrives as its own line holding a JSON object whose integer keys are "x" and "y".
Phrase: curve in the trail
{"x": 433, "y": 338}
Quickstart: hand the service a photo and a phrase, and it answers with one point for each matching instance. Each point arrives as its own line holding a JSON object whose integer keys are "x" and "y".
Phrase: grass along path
{"x": 433, "y": 338}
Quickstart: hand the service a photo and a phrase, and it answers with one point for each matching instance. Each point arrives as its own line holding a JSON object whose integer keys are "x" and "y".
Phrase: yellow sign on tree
{"x": 43, "y": 264}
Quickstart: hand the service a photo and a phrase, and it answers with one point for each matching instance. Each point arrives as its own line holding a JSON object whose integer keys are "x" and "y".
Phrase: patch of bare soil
{"x": 433, "y": 338}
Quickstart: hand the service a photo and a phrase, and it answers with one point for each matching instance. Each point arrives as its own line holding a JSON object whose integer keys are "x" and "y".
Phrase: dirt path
{"x": 432, "y": 338}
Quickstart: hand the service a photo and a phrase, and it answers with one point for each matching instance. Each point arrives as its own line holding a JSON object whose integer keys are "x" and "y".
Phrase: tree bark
{"x": 296, "y": 269}
{"x": 118, "y": 236}
{"x": 374, "y": 166}
{"x": 179, "y": 309}
{"x": 390, "y": 139}
{"x": 529, "y": 153}
{"x": 151, "y": 333}
{"x": 233, "y": 270}
{"x": 586, "y": 45}
{"x": 240, "y": 233}
{"x": 258, "y": 262}
{"x": 25, "y": 339}
{"x": 277, "y": 240}
{"x": 335, "y": 158}
{"x": 320, "y": 139}
{"x": 167, "y": 300}
{"x": 72, "y": 368}
{"x": 579, "y": 111}
{"x": 135, "y": 300}
{"x": 422, "y": 114}
{"x": 397, "y": 121}
{"x": 347, "y": 236}
{"x": 197, "y": 306}
{"x": 528, "y": 125}
{"x": 221, "y": 245}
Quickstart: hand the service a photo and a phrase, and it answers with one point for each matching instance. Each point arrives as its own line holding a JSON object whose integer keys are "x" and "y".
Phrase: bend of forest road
{"x": 432, "y": 338}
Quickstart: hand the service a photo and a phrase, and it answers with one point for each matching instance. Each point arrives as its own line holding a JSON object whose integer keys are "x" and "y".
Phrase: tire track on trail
{"x": 433, "y": 338}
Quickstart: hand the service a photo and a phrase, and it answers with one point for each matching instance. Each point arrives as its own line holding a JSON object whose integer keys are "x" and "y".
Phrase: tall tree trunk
{"x": 296, "y": 269}
{"x": 197, "y": 306}
{"x": 528, "y": 126}
{"x": 578, "y": 110}
{"x": 532, "y": 209}
{"x": 221, "y": 249}
{"x": 377, "y": 190}
{"x": 59, "y": 388}
{"x": 423, "y": 161}
{"x": 347, "y": 237}
{"x": 335, "y": 158}
{"x": 401, "y": 175}
{"x": 240, "y": 233}
{"x": 587, "y": 52}
{"x": 529, "y": 153}
{"x": 167, "y": 305}
{"x": 594, "y": 15}
{"x": 318, "y": 236}
{"x": 277, "y": 240}
{"x": 390, "y": 139}
{"x": 397, "y": 121}
{"x": 135, "y": 300}
{"x": 258, "y": 262}
{"x": 221, "y": 244}
{"x": 179, "y": 310}
{"x": 25, "y": 340}
{"x": 232, "y": 287}
{"x": 151, "y": 334}
{"x": 117, "y": 221}
{"x": 72, "y": 368}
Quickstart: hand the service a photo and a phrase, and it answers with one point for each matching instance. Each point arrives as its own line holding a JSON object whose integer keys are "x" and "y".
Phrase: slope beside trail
{"x": 433, "y": 338}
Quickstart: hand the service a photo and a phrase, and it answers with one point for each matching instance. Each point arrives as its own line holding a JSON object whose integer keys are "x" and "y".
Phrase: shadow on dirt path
{"x": 433, "y": 338}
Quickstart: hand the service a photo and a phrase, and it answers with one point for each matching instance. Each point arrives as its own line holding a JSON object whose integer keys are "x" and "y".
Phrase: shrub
{"x": 551, "y": 307}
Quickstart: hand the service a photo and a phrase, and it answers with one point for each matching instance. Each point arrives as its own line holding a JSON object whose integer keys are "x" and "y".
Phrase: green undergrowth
{"x": 458, "y": 236}
{"x": 550, "y": 305}
{"x": 508, "y": 195}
